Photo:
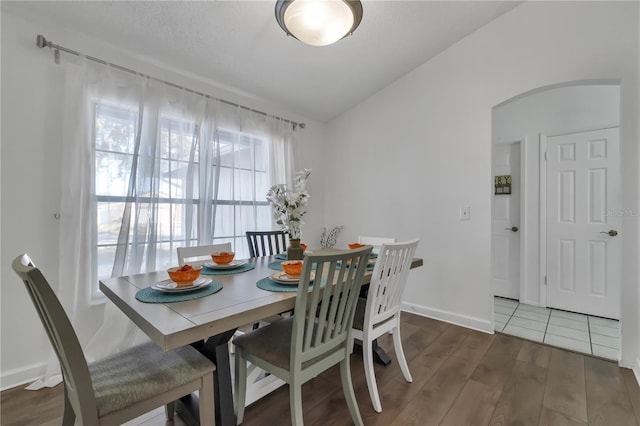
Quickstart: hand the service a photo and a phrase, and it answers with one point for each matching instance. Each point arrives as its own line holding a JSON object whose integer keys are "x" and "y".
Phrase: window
{"x": 156, "y": 194}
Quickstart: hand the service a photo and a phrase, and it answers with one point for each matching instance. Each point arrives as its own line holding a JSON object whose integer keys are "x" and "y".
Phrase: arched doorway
{"x": 523, "y": 127}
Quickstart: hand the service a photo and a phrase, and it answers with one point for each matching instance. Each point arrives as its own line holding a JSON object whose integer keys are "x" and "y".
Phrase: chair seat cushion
{"x": 271, "y": 343}
{"x": 143, "y": 372}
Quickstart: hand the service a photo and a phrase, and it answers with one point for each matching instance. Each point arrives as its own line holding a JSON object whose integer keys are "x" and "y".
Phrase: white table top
{"x": 171, "y": 325}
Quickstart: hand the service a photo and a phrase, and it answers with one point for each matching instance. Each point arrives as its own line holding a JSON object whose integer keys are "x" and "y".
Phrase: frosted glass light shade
{"x": 318, "y": 22}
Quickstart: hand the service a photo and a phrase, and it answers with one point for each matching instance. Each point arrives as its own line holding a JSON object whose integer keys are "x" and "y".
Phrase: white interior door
{"x": 583, "y": 219}
{"x": 505, "y": 240}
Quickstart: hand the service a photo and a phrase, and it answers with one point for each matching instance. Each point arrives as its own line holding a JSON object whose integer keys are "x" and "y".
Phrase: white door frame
{"x": 521, "y": 214}
{"x": 542, "y": 214}
{"x": 524, "y": 234}
{"x": 543, "y": 211}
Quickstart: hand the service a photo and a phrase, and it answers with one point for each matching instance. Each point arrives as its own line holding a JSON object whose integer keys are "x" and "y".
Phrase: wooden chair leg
{"x": 402, "y": 361}
{"x": 295, "y": 402}
{"x": 169, "y": 410}
{"x": 206, "y": 403}
{"x": 69, "y": 416}
{"x": 240, "y": 384}
{"x": 349, "y": 394}
{"x": 370, "y": 374}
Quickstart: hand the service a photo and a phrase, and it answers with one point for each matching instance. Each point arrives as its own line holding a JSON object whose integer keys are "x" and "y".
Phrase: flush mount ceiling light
{"x": 318, "y": 22}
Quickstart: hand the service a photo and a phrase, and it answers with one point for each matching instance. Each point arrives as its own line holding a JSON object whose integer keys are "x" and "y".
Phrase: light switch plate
{"x": 465, "y": 213}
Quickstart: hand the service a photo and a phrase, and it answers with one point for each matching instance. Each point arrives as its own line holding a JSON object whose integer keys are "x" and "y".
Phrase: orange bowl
{"x": 223, "y": 257}
{"x": 292, "y": 267}
{"x": 304, "y": 246}
{"x": 179, "y": 275}
{"x": 355, "y": 245}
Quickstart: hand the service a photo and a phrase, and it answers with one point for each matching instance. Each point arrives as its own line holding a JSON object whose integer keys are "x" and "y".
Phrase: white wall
{"x": 556, "y": 110}
{"x": 30, "y": 176}
{"x": 409, "y": 157}
{"x": 553, "y": 111}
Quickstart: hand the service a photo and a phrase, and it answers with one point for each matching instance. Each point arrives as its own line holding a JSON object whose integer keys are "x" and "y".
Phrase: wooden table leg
{"x": 379, "y": 354}
{"x": 217, "y": 350}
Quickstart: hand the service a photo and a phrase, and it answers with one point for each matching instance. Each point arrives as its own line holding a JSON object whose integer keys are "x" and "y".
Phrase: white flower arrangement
{"x": 290, "y": 205}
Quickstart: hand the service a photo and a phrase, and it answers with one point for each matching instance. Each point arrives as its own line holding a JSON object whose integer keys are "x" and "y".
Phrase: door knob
{"x": 514, "y": 229}
{"x": 611, "y": 232}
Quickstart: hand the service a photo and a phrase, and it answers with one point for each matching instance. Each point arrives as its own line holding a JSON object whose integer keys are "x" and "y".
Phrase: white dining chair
{"x": 376, "y": 242}
{"x": 123, "y": 386}
{"x": 199, "y": 255}
{"x": 380, "y": 312}
{"x": 315, "y": 338}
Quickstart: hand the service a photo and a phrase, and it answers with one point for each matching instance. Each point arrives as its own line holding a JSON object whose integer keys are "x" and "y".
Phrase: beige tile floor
{"x": 577, "y": 332}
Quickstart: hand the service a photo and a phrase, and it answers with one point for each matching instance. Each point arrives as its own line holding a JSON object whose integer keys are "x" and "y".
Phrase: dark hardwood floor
{"x": 460, "y": 377}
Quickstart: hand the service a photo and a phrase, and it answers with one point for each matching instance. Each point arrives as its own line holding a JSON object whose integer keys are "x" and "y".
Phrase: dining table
{"x": 208, "y": 322}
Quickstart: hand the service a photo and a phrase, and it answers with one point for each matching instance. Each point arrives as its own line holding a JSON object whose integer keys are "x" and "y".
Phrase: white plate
{"x": 283, "y": 278}
{"x": 172, "y": 287}
{"x": 232, "y": 265}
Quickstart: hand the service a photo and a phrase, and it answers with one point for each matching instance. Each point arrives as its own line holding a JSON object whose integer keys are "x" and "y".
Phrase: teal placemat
{"x": 281, "y": 256}
{"x": 270, "y": 285}
{"x": 277, "y": 265}
{"x": 149, "y": 295}
{"x": 244, "y": 268}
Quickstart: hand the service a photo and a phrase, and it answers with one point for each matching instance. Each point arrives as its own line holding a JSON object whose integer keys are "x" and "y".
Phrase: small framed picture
{"x": 502, "y": 184}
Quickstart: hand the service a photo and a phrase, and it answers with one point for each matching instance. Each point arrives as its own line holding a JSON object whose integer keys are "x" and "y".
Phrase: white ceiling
{"x": 239, "y": 44}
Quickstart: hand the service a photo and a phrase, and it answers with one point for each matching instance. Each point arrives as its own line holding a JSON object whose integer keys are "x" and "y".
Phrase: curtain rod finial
{"x": 41, "y": 41}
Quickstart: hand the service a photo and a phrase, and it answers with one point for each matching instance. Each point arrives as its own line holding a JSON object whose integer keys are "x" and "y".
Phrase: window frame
{"x": 228, "y": 136}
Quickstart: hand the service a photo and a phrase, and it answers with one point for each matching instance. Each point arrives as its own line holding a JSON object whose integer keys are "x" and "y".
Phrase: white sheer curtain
{"x": 282, "y": 164}
{"x": 146, "y": 168}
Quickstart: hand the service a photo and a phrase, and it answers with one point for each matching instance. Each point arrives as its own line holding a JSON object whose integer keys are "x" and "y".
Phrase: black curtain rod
{"x": 43, "y": 42}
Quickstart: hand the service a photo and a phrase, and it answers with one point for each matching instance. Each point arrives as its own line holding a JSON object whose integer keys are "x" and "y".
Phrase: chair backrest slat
{"x": 63, "y": 338}
{"x": 198, "y": 255}
{"x": 314, "y": 304}
{"x": 325, "y": 307}
{"x": 388, "y": 281}
{"x": 266, "y": 243}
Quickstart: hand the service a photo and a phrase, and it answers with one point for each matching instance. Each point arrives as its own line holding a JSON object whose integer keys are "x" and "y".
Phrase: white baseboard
{"x": 466, "y": 321}
{"x": 633, "y": 366}
{"x": 20, "y": 376}
{"x": 530, "y": 302}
